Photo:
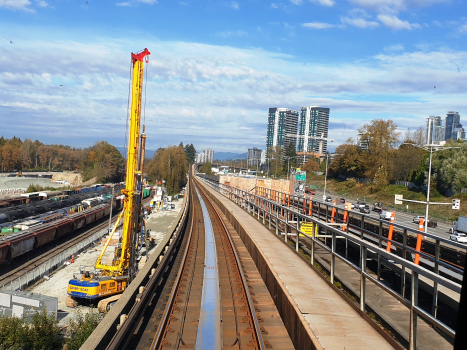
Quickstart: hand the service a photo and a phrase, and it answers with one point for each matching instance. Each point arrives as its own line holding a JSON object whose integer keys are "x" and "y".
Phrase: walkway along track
{"x": 206, "y": 302}
{"x": 30, "y": 265}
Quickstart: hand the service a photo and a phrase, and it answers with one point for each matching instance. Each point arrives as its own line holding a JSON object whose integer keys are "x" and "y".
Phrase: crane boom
{"x": 112, "y": 279}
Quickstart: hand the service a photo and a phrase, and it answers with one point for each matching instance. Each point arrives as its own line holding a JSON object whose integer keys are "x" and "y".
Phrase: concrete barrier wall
{"x": 248, "y": 183}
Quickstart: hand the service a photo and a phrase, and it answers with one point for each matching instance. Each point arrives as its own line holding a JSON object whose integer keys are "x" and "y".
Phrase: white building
{"x": 207, "y": 156}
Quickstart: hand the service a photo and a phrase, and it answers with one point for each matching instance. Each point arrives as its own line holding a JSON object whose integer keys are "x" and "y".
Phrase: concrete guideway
{"x": 328, "y": 319}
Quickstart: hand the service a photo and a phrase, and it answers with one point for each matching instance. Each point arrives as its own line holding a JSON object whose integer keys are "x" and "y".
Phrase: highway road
{"x": 401, "y": 218}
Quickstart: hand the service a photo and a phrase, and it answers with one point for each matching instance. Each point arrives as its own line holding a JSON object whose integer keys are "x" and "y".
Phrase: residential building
{"x": 206, "y": 156}
{"x": 452, "y": 123}
{"x": 363, "y": 142}
{"x": 281, "y": 123}
{"x": 254, "y": 156}
{"x": 263, "y": 157}
{"x": 435, "y": 131}
{"x": 458, "y": 134}
{"x": 314, "y": 124}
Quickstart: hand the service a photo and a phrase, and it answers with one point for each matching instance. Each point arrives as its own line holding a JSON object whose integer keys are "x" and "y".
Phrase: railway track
{"x": 206, "y": 302}
{"x": 30, "y": 265}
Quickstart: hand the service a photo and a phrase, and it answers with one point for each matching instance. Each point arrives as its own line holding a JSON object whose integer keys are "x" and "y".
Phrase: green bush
{"x": 42, "y": 334}
{"x": 81, "y": 329}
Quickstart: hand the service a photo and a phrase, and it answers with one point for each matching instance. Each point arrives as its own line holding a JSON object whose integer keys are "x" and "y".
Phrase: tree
{"x": 348, "y": 160}
{"x": 190, "y": 152}
{"x": 383, "y": 138}
{"x": 81, "y": 329}
{"x": 290, "y": 159}
{"x": 311, "y": 165}
{"x": 275, "y": 160}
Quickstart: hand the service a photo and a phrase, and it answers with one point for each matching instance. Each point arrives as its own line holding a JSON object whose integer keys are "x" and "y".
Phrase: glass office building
{"x": 314, "y": 121}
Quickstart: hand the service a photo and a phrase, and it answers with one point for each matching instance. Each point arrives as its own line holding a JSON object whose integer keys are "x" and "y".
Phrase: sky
{"x": 217, "y": 66}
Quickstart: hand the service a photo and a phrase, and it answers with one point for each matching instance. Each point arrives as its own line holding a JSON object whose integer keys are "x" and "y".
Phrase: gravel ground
{"x": 23, "y": 183}
{"x": 57, "y": 284}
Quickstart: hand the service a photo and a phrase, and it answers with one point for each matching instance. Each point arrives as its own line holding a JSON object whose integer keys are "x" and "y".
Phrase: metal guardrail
{"x": 275, "y": 214}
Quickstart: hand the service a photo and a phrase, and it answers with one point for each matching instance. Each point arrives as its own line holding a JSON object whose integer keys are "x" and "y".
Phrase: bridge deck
{"x": 331, "y": 320}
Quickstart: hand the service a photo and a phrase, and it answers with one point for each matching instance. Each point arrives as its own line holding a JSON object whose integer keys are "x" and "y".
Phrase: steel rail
{"x": 158, "y": 338}
{"x": 256, "y": 327}
{"x": 136, "y": 313}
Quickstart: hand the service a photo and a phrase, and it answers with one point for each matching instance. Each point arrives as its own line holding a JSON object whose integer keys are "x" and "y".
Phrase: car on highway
{"x": 385, "y": 215}
{"x": 328, "y": 199}
{"x": 459, "y": 237}
{"x": 431, "y": 222}
{"x": 342, "y": 200}
{"x": 365, "y": 209}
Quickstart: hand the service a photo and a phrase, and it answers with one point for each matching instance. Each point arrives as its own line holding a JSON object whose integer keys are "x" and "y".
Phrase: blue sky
{"x": 217, "y": 66}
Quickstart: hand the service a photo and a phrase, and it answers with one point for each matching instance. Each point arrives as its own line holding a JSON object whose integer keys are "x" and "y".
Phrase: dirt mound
{"x": 72, "y": 178}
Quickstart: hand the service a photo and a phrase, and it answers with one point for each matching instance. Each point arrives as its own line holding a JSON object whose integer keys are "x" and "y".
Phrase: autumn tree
{"x": 102, "y": 161}
{"x": 383, "y": 139}
{"x": 169, "y": 164}
{"x": 311, "y": 165}
{"x": 348, "y": 160}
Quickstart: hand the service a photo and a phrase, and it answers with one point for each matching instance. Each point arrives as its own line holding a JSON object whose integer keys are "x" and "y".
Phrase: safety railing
{"x": 277, "y": 213}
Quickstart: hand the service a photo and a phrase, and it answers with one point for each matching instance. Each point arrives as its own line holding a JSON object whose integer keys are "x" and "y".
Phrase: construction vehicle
{"x": 106, "y": 282}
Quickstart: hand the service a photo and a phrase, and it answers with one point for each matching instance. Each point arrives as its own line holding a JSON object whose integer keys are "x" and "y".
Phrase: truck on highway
{"x": 459, "y": 226}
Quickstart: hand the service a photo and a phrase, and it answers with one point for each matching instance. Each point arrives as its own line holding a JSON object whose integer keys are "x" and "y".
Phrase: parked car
{"x": 459, "y": 237}
{"x": 431, "y": 222}
{"x": 365, "y": 209}
{"x": 385, "y": 215}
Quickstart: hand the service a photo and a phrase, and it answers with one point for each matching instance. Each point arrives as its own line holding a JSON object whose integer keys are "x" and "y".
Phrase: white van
{"x": 385, "y": 215}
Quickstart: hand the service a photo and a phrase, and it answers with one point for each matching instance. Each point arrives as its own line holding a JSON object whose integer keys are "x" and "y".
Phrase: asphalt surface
{"x": 401, "y": 218}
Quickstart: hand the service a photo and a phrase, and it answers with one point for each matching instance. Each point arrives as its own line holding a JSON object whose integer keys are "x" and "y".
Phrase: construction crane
{"x": 106, "y": 282}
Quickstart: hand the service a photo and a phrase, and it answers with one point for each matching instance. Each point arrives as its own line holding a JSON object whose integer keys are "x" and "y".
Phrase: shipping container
{"x": 90, "y": 217}
{"x": 99, "y": 213}
{"x": 79, "y": 221}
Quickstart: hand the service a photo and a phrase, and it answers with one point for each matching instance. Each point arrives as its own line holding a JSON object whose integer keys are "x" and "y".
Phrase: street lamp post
{"x": 429, "y": 148}
{"x": 325, "y": 176}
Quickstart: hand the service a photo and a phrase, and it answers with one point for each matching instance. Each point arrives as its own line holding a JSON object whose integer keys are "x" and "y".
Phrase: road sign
{"x": 456, "y": 204}
{"x": 397, "y": 198}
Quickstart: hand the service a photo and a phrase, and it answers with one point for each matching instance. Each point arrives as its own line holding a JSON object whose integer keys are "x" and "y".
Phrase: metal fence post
{"x": 362, "y": 278}
{"x": 270, "y": 212}
{"x": 404, "y": 256}
{"x": 413, "y": 315}
{"x": 434, "y": 310}
{"x": 286, "y": 225}
{"x": 277, "y": 220}
{"x": 380, "y": 233}
{"x": 298, "y": 234}
{"x": 333, "y": 256}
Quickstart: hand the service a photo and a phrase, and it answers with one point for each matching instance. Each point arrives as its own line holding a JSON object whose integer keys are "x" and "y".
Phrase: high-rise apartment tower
{"x": 314, "y": 121}
{"x": 435, "y": 131}
{"x": 452, "y": 123}
{"x": 281, "y": 122}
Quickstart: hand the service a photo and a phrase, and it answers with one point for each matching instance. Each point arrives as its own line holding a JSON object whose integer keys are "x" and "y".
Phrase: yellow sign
{"x": 307, "y": 228}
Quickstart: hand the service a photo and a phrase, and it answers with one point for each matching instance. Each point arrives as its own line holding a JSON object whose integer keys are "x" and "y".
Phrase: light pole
{"x": 429, "y": 148}
{"x": 288, "y": 159}
{"x": 325, "y": 177}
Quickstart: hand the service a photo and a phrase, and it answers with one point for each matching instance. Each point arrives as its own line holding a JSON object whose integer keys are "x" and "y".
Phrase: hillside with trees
{"x": 101, "y": 160}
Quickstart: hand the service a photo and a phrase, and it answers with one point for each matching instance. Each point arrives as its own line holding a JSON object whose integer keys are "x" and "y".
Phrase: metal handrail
{"x": 249, "y": 202}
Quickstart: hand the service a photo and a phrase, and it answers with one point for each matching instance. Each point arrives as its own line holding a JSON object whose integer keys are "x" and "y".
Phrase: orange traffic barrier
{"x": 346, "y": 215}
{"x": 391, "y": 232}
{"x": 333, "y": 211}
{"x": 310, "y": 203}
{"x": 418, "y": 248}
{"x": 72, "y": 259}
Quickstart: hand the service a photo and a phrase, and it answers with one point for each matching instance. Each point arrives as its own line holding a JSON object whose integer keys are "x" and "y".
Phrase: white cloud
{"x": 463, "y": 28}
{"x": 296, "y": 2}
{"x": 134, "y": 2}
{"x": 324, "y": 2}
{"x": 16, "y": 4}
{"x": 317, "y": 25}
{"x": 359, "y": 22}
{"x": 234, "y": 5}
{"x": 183, "y": 3}
{"x": 274, "y": 6}
{"x": 42, "y": 3}
{"x": 395, "y": 23}
{"x": 438, "y": 23}
{"x": 228, "y": 33}
{"x": 394, "y": 48}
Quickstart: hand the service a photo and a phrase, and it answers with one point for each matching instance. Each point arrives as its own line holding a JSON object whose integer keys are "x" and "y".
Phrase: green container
{"x": 8, "y": 230}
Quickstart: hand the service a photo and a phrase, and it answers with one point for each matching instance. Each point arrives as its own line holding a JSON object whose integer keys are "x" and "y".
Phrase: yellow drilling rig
{"x": 106, "y": 282}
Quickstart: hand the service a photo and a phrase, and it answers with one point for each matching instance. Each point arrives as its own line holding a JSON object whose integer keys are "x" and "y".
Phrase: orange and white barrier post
{"x": 346, "y": 216}
{"x": 391, "y": 232}
{"x": 418, "y": 248}
{"x": 333, "y": 211}
{"x": 310, "y": 206}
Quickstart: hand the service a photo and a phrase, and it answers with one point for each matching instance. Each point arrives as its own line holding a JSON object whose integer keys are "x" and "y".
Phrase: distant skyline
{"x": 217, "y": 66}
